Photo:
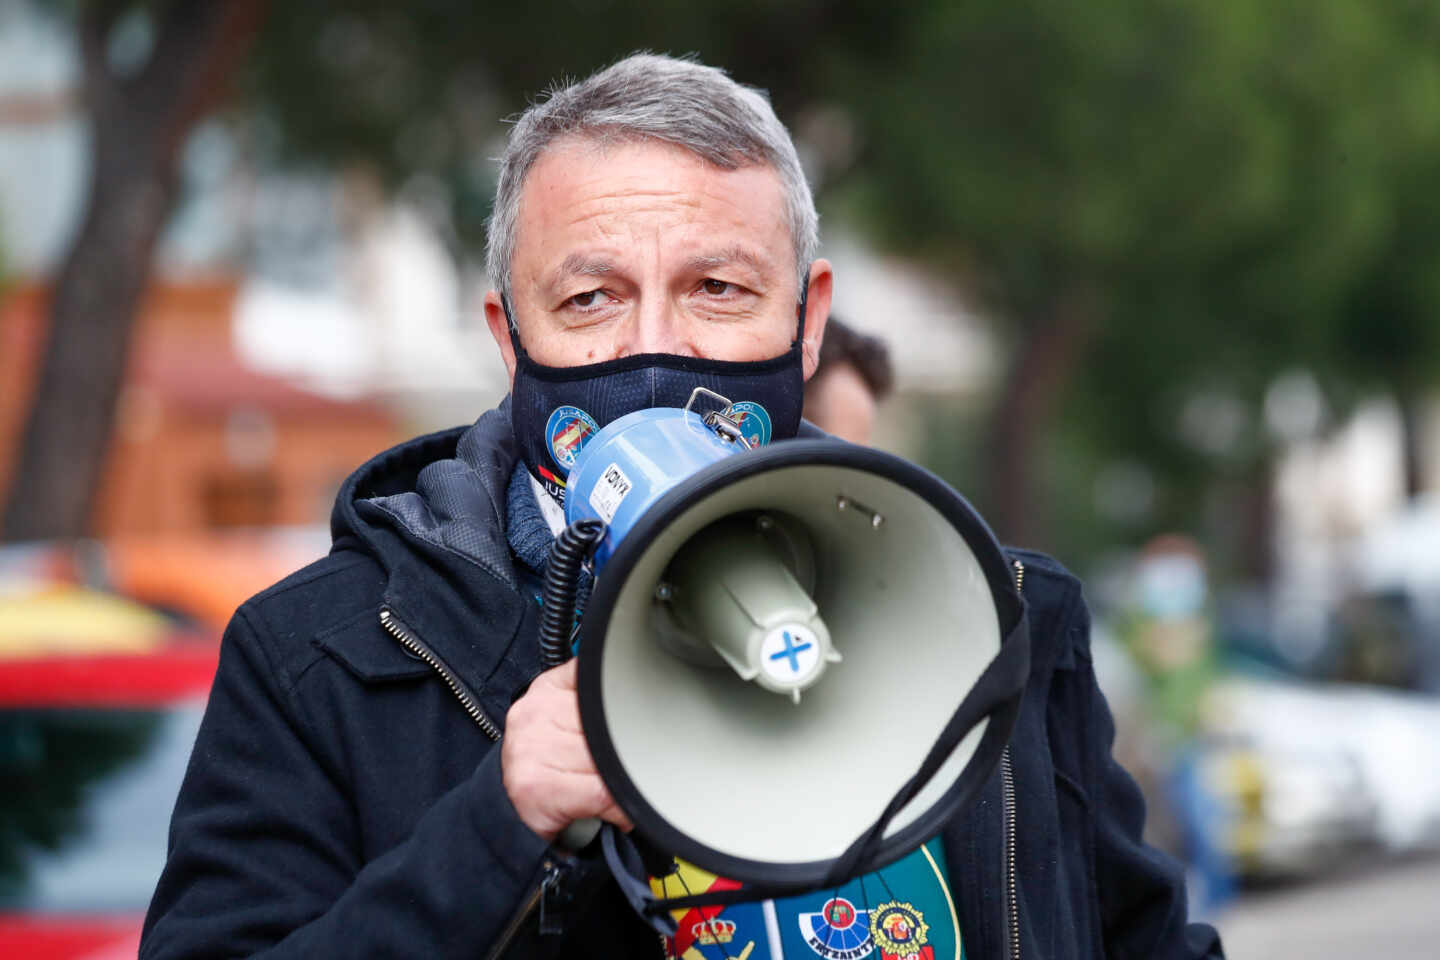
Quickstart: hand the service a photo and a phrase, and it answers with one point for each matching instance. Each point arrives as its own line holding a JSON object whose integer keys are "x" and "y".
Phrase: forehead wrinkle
{"x": 581, "y": 265}
{"x": 735, "y": 253}
{"x": 619, "y": 217}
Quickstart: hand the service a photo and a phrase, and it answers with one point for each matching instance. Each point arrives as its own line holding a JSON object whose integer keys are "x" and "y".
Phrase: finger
{"x": 553, "y": 713}
{"x": 568, "y": 756}
{"x": 564, "y": 714}
{"x": 561, "y": 797}
{"x": 613, "y": 814}
{"x": 581, "y": 797}
{"x": 559, "y": 704}
{"x": 561, "y": 677}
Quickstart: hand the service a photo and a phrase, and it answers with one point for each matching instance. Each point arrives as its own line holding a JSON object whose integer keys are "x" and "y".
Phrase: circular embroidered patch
{"x": 837, "y": 932}
{"x": 898, "y": 929}
{"x": 753, "y": 420}
{"x": 566, "y": 432}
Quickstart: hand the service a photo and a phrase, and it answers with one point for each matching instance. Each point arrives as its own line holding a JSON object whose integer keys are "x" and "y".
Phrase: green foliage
{"x": 419, "y": 88}
{"x": 51, "y": 761}
{"x": 1242, "y": 188}
{"x": 1233, "y": 188}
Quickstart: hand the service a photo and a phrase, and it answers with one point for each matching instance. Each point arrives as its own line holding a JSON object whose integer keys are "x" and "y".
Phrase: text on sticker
{"x": 609, "y": 491}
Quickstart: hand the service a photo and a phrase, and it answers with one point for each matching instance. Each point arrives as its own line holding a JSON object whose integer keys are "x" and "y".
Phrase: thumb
{"x": 562, "y": 677}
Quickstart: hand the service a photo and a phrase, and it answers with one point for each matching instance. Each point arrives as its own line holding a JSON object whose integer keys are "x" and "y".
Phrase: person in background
{"x": 853, "y": 377}
{"x": 1170, "y": 634}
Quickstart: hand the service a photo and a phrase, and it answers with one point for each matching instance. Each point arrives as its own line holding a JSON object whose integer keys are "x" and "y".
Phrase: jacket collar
{"x": 433, "y": 512}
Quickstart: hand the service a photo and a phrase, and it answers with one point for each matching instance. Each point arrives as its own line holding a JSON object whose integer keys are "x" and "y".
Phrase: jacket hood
{"x": 444, "y": 494}
{"x": 431, "y": 512}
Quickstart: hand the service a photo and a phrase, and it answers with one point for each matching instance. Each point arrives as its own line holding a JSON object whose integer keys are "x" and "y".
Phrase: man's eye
{"x": 590, "y": 298}
{"x": 716, "y": 287}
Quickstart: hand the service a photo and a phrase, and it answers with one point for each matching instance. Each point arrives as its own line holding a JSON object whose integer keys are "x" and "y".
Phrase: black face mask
{"x": 554, "y": 411}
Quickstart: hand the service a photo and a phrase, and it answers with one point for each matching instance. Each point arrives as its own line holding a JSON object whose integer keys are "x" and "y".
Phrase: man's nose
{"x": 656, "y": 326}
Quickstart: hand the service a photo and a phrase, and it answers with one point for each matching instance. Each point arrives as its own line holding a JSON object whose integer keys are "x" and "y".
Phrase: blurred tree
{"x": 1070, "y": 162}
{"x": 414, "y": 93}
{"x": 1167, "y": 205}
{"x": 149, "y": 71}
{"x": 1387, "y": 336}
{"x": 1336, "y": 275}
{"x": 1162, "y": 204}
{"x": 410, "y": 92}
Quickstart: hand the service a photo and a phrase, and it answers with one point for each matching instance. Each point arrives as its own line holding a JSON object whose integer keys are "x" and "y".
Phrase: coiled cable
{"x": 571, "y": 549}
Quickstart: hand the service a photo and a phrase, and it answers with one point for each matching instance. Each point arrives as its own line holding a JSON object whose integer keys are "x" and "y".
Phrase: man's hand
{"x": 545, "y": 762}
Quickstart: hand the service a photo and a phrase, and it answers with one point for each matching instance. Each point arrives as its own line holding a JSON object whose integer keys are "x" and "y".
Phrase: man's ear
{"x": 817, "y": 312}
{"x": 499, "y": 325}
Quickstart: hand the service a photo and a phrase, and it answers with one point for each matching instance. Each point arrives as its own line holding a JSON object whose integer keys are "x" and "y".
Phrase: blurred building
{"x": 300, "y": 322}
{"x": 200, "y": 440}
{"x": 205, "y": 437}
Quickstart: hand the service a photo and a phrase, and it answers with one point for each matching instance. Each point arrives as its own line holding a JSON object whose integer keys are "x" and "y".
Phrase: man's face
{"x": 646, "y": 248}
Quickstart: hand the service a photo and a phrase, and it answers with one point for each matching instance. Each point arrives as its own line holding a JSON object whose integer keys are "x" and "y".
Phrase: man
{"x": 853, "y": 376}
{"x": 350, "y": 791}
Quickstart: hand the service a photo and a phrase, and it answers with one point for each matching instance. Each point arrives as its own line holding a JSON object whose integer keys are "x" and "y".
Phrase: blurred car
{"x": 1281, "y": 813}
{"x": 1397, "y": 596}
{"x": 96, "y": 727}
{"x": 199, "y": 576}
{"x": 1305, "y": 775}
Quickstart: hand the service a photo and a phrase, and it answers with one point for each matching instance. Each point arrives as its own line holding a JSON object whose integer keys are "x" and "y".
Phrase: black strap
{"x": 625, "y": 864}
{"x": 1000, "y": 684}
{"x": 996, "y": 694}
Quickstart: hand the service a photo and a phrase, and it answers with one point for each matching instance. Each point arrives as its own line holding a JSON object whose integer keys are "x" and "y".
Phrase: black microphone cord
{"x": 571, "y": 549}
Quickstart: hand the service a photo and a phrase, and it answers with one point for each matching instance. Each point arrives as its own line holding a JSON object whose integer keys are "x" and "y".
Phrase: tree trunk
{"x": 1047, "y": 355}
{"x": 1412, "y": 440}
{"x": 1253, "y": 539}
{"x": 139, "y": 123}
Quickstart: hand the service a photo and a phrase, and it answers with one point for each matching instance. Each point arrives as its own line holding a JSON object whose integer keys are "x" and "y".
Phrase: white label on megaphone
{"x": 609, "y": 492}
{"x": 790, "y": 653}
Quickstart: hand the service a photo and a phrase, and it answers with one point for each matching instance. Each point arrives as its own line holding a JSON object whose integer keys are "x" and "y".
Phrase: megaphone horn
{"x": 798, "y": 661}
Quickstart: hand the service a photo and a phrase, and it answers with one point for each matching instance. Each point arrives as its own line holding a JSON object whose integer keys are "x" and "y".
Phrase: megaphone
{"x": 798, "y": 661}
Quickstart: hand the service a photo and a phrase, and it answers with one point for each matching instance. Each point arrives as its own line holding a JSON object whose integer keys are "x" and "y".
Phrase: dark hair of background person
{"x": 853, "y": 376}
{"x": 868, "y": 355}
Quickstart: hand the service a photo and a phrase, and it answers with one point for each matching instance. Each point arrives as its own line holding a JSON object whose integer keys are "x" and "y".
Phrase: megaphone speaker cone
{"x": 909, "y": 589}
{"x": 729, "y": 587}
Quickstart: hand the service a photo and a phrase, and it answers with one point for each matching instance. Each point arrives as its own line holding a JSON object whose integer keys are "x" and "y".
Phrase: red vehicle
{"x": 93, "y": 747}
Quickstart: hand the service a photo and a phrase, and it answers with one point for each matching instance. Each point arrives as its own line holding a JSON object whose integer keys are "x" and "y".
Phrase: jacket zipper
{"x": 551, "y": 877}
{"x": 1007, "y": 785}
{"x": 411, "y": 641}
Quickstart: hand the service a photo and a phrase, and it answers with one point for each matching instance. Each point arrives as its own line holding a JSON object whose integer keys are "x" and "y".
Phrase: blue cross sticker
{"x": 791, "y": 652}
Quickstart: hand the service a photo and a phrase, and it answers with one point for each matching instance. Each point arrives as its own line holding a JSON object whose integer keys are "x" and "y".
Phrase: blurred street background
{"x": 1160, "y": 284}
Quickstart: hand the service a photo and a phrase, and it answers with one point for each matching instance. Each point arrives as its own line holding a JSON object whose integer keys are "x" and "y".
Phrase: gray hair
{"x": 650, "y": 97}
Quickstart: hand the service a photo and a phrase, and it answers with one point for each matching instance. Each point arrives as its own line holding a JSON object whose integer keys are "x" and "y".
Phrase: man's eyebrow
{"x": 581, "y": 265}
{"x": 727, "y": 256}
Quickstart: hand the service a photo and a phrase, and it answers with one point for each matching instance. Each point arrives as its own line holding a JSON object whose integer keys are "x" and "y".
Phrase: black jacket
{"x": 344, "y": 796}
